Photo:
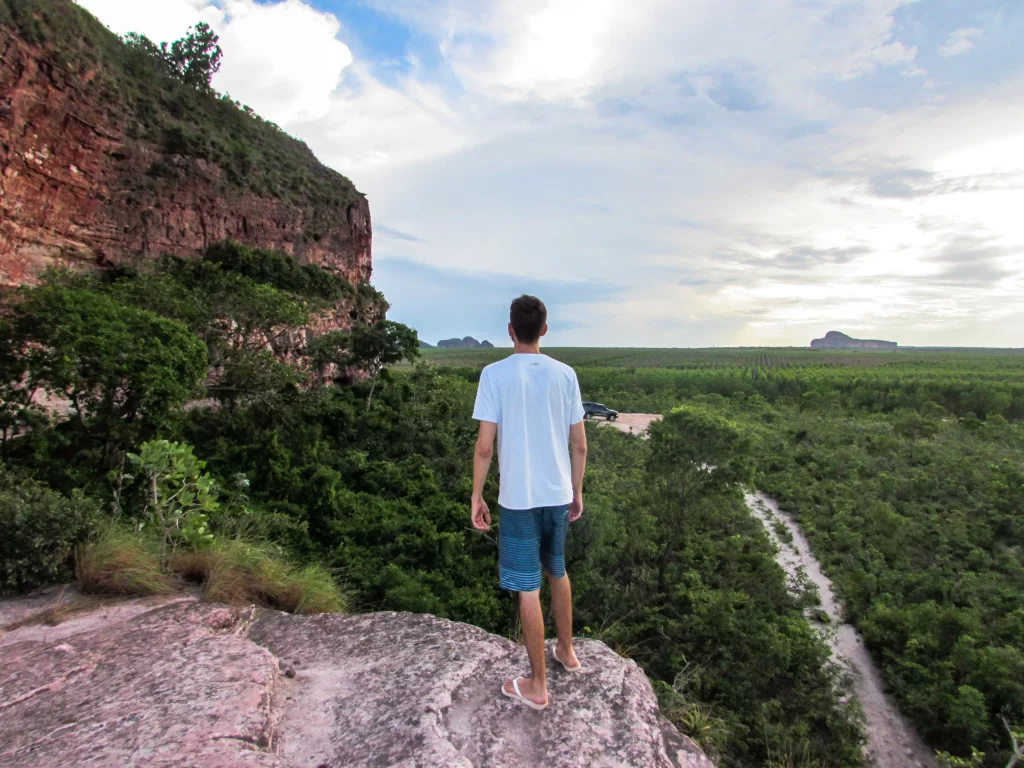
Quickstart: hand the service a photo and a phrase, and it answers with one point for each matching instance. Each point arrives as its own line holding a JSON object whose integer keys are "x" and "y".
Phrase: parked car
{"x": 599, "y": 411}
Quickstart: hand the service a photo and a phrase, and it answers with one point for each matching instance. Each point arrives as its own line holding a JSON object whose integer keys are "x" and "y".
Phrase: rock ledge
{"x": 179, "y": 683}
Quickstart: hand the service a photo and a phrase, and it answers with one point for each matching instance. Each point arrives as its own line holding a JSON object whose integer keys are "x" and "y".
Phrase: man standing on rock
{"x": 533, "y": 405}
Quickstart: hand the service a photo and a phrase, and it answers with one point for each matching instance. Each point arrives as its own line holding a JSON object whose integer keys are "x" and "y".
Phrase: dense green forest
{"x": 906, "y": 471}
{"x": 292, "y": 470}
{"x": 332, "y": 489}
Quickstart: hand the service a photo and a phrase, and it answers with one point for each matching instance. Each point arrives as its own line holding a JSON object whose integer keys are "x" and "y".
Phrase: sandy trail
{"x": 631, "y": 423}
{"x": 892, "y": 741}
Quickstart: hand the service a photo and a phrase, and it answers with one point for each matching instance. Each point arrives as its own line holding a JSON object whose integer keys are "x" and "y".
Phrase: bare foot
{"x": 529, "y": 689}
{"x": 566, "y": 654}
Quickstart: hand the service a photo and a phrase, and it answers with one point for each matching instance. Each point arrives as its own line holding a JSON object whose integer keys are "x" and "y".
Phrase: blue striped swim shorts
{"x": 527, "y": 539}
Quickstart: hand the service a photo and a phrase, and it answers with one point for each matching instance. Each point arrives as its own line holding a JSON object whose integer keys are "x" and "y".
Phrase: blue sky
{"x": 687, "y": 173}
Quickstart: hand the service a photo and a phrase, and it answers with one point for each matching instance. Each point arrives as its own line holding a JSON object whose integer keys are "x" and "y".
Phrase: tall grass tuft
{"x": 118, "y": 563}
{"x": 233, "y": 571}
{"x": 241, "y": 572}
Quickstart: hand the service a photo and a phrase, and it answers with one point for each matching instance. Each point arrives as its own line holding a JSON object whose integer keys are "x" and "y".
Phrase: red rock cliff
{"x": 75, "y": 189}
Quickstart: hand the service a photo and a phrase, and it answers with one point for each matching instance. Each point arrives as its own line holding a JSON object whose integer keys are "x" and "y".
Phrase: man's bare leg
{"x": 561, "y": 607}
{"x": 531, "y": 616}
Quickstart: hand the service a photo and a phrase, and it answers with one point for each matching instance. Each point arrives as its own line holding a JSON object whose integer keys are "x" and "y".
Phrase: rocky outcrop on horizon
{"x": 173, "y": 682}
{"x": 837, "y": 340}
{"x": 467, "y": 342}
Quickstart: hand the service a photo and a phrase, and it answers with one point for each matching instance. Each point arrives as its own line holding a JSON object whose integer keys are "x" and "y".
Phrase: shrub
{"x": 40, "y": 530}
{"x": 160, "y": 169}
{"x": 279, "y": 270}
{"x": 178, "y": 494}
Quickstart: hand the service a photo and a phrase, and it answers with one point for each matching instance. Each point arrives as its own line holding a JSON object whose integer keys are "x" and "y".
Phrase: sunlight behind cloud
{"x": 560, "y": 44}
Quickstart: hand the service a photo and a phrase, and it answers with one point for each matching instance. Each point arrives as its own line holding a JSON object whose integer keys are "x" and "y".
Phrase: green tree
{"x": 115, "y": 363}
{"x": 696, "y": 455}
{"x": 331, "y": 350}
{"x": 384, "y": 343}
{"x": 967, "y": 714}
{"x": 240, "y": 318}
{"x": 912, "y": 426}
{"x": 249, "y": 375}
{"x": 194, "y": 59}
{"x": 178, "y": 493}
{"x": 977, "y": 758}
{"x": 18, "y": 409}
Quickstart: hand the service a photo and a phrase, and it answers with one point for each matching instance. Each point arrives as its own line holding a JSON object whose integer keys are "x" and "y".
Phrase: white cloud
{"x": 369, "y": 127}
{"x": 569, "y": 48}
{"x": 163, "y": 20}
{"x": 961, "y": 41}
{"x": 285, "y": 57}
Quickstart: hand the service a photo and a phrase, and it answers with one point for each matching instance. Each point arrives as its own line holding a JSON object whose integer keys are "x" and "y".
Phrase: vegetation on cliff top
{"x": 161, "y": 100}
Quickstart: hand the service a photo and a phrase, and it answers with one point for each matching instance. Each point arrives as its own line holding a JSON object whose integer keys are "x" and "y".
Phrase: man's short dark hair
{"x": 528, "y": 317}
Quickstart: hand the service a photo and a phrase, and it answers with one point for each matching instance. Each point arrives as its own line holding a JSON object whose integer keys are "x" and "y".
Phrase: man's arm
{"x": 578, "y": 441}
{"x": 481, "y": 466}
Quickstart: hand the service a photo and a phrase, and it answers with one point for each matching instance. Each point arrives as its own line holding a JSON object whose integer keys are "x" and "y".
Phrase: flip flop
{"x": 554, "y": 652}
{"x": 519, "y": 696}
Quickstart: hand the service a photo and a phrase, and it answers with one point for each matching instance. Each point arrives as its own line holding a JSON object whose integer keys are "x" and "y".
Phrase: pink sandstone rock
{"x": 191, "y": 684}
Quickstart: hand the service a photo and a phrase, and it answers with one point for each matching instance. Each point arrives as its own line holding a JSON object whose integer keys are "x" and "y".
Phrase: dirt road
{"x": 631, "y": 423}
{"x": 892, "y": 741}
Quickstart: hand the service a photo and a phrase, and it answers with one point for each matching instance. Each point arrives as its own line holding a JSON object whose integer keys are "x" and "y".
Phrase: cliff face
{"x": 76, "y": 188}
{"x": 187, "y": 684}
{"x": 837, "y": 340}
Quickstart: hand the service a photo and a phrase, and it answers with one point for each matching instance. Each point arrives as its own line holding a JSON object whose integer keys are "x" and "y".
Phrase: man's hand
{"x": 481, "y": 464}
{"x": 481, "y": 515}
{"x": 576, "y": 507}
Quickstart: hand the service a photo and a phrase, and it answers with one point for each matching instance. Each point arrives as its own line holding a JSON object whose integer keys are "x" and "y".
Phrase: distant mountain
{"x": 425, "y": 345}
{"x": 466, "y": 343}
{"x": 837, "y": 340}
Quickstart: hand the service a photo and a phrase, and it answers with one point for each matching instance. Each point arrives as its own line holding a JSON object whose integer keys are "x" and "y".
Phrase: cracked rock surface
{"x": 180, "y": 683}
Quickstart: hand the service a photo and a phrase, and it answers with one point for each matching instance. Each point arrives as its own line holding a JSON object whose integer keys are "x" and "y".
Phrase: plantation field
{"x": 981, "y": 360}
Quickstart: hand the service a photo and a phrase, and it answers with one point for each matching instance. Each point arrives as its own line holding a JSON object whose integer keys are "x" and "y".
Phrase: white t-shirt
{"x": 533, "y": 400}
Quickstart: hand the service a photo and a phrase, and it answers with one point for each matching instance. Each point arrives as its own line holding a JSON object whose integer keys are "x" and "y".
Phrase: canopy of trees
{"x": 907, "y": 478}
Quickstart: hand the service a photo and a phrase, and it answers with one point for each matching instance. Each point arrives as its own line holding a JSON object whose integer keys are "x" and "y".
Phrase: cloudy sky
{"x": 661, "y": 172}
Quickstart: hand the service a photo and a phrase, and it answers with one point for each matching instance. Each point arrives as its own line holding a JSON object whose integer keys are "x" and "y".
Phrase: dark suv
{"x": 599, "y": 411}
